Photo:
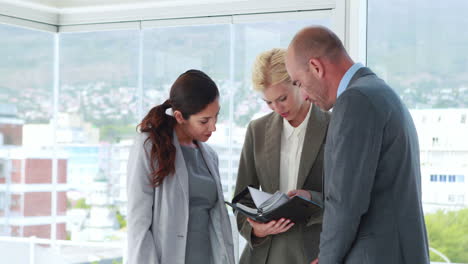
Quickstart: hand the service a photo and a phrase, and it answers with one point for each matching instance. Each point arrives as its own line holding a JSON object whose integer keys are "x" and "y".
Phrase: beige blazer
{"x": 259, "y": 166}
{"x": 158, "y": 217}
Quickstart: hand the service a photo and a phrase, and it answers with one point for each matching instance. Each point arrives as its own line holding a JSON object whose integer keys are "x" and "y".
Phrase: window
{"x": 2, "y": 170}
{"x": 170, "y": 51}
{"x": 98, "y": 112}
{"x": 26, "y": 110}
{"x": 2, "y": 201}
{"x": 460, "y": 178}
{"x": 433, "y": 178}
{"x": 451, "y": 178}
{"x": 442, "y": 178}
{"x": 101, "y": 101}
{"x": 451, "y": 198}
{"x": 15, "y": 201}
{"x": 403, "y": 49}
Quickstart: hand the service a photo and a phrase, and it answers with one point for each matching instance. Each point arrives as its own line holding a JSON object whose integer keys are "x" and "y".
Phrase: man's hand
{"x": 315, "y": 261}
{"x": 303, "y": 193}
{"x": 270, "y": 228}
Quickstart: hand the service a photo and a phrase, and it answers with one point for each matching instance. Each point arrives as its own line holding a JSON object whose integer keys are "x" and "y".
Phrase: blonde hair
{"x": 269, "y": 69}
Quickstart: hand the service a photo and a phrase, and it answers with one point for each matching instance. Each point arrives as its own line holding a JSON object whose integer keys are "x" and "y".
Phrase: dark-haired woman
{"x": 176, "y": 211}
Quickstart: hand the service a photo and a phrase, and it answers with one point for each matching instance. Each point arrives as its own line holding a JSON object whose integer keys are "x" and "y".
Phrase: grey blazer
{"x": 373, "y": 211}
{"x": 260, "y": 166}
{"x": 158, "y": 217}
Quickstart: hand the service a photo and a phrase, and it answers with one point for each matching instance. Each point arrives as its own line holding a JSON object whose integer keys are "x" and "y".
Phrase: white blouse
{"x": 292, "y": 141}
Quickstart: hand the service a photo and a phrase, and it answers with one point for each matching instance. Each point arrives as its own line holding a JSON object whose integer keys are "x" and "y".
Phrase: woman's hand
{"x": 303, "y": 193}
{"x": 271, "y": 228}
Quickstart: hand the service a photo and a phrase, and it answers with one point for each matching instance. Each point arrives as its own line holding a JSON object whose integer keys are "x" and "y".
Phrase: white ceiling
{"x": 79, "y": 12}
{"x": 71, "y": 6}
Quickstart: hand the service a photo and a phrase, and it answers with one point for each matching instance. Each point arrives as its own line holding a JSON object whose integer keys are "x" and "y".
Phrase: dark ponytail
{"x": 190, "y": 94}
{"x": 159, "y": 127}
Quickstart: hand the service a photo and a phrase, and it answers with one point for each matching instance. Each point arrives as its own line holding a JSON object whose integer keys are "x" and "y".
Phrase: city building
{"x": 30, "y": 203}
{"x": 443, "y": 144}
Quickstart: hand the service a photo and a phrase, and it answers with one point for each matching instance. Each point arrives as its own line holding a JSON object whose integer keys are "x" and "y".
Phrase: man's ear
{"x": 316, "y": 67}
{"x": 179, "y": 117}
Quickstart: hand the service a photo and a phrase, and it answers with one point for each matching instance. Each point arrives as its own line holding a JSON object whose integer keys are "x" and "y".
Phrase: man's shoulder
{"x": 370, "y": 88}
{"x": 367, "y": 84}
{"x": 369, "y": 96}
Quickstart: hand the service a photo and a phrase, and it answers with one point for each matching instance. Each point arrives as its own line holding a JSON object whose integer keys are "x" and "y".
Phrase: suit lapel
{"x": 273, "y": 152}
{"x": 180, "y": 168}
{"x": 313, "y": 139}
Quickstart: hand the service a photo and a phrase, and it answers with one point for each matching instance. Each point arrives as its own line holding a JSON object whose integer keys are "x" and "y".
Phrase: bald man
{"x": 373, "y": 212}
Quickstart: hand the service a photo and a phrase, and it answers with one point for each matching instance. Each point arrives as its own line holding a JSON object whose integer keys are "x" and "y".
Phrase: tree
{"x": 81, "y": 204}
{"x": 448, "y": 233}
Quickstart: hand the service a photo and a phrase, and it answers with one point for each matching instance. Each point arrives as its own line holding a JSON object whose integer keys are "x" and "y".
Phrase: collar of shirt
{"x": 347, "y": 78}
{"x": 288, "y": 130}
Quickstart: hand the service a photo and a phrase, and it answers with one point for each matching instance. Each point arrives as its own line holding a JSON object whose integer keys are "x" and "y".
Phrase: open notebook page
{"x": 258, "y": 196}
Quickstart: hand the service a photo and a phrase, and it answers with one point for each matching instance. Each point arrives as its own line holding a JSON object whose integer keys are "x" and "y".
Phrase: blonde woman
{"x": 282, "y": 151}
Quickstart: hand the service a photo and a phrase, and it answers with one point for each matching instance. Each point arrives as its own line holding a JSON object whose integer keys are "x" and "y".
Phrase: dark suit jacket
{"x": 373, "y": 211}
{"x": 260, "y": 166}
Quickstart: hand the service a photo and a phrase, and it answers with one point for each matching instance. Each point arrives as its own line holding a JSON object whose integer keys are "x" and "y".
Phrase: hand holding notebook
{"x": 274, "y": 206}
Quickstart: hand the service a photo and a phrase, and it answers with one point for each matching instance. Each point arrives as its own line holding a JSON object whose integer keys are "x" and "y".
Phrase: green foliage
{"x": 114, "y": 133}
{"x": 121, "y": 219}
{"x": 81, "y": 204}
{"x": 448, "y": 233}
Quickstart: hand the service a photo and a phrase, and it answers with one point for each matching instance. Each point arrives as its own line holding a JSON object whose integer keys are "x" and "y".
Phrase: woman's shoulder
{"x": 261, "y": 122}
{"x": 142, "y": 140}
{"x": 140, "y": 137}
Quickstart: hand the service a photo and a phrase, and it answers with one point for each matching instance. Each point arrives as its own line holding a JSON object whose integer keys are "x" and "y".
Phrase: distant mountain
{"x": 418, "y": 47}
